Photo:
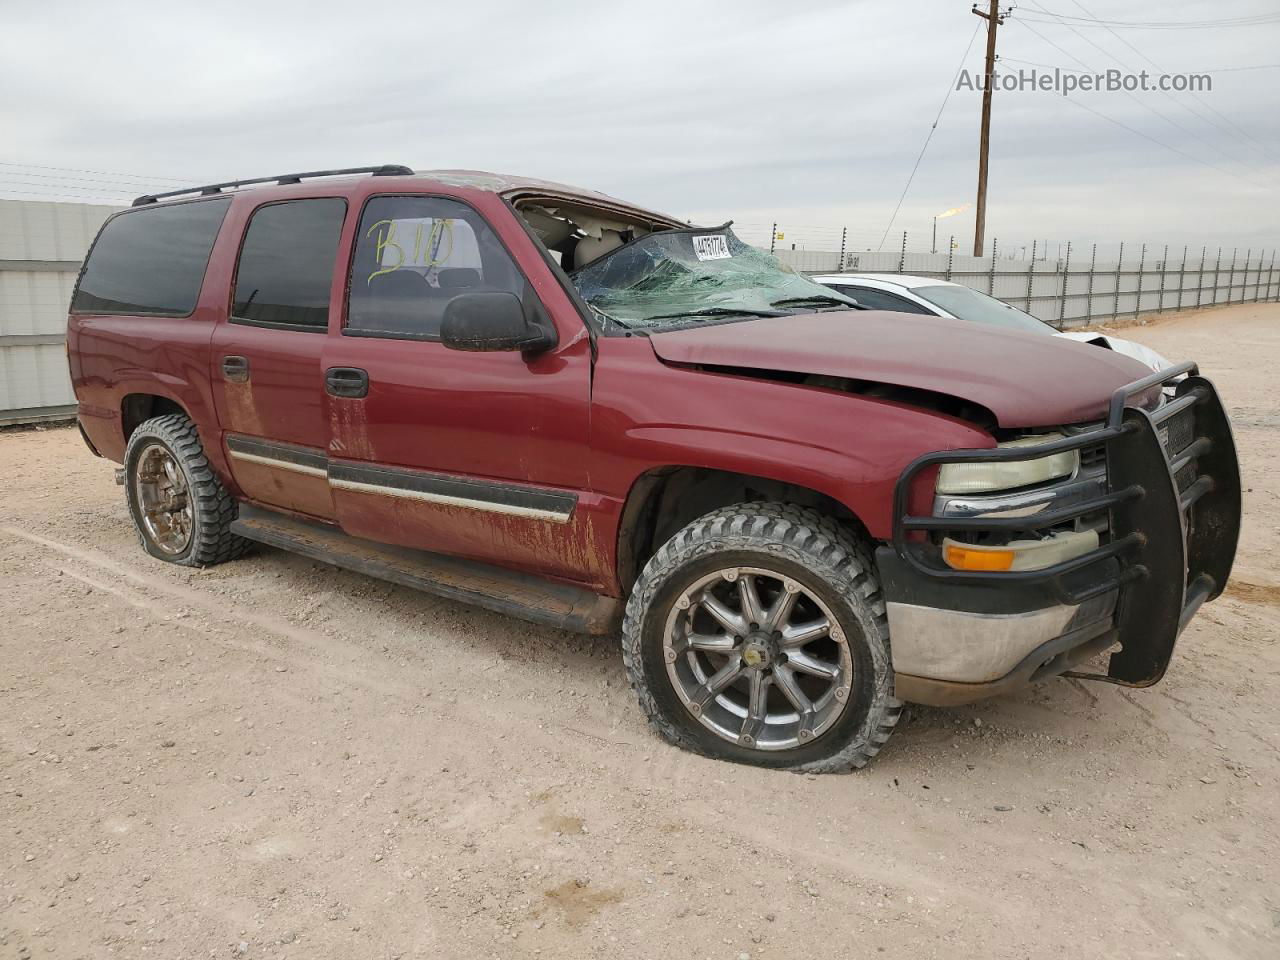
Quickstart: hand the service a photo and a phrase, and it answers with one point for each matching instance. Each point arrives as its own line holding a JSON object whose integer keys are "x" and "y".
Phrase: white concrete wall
{"x": 41, "y": 247}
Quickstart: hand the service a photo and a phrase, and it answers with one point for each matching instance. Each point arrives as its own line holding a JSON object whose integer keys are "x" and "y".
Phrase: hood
{"x": 1024, "y": 379}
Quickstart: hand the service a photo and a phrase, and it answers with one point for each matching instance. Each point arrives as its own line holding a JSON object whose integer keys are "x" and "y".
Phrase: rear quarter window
{"x": 151, "y": 261}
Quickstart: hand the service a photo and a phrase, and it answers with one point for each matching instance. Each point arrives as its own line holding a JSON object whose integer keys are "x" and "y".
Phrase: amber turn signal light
{"x": 962, "y": 558}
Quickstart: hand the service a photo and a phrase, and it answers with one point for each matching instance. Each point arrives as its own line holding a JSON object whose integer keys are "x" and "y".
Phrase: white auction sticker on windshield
{"x": 712, "y": 246}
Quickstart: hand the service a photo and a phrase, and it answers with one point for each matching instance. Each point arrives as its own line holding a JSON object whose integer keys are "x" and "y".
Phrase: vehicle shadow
{"x": 415, "y": 627}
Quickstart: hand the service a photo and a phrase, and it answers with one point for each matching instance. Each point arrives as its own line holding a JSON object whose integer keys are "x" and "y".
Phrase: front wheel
{"x": 758, "y": 634}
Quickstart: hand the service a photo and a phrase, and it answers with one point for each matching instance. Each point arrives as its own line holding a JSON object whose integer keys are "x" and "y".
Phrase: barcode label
{"x": 713, "y": 246}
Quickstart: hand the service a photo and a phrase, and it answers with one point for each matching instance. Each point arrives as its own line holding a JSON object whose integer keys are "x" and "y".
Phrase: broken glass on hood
{"x": 676, "y": 277}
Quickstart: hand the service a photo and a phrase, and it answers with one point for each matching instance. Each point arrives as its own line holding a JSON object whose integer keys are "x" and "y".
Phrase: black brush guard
{"x": 1170, "y": 546}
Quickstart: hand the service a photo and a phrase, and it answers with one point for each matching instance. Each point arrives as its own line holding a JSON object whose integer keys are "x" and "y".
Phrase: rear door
{"x": 480, "y": 455}
{"x": 266, "y": 355}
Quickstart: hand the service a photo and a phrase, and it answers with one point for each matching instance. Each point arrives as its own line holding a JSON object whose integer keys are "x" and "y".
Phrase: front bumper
{"x": 1172, "y": 498}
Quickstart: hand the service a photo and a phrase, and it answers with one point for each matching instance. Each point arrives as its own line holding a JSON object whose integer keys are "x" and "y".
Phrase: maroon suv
{"x": 550, "y": 403}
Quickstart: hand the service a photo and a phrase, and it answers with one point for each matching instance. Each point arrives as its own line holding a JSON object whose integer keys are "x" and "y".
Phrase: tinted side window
{"x": 286, "y": 264}
{"x": 879, "y": 300}
{"x": 150, "y": 261}
{"x": 415, "y": 254}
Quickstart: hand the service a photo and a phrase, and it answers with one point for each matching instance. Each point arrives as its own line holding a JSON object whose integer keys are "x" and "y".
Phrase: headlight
{"x": 984, "y": 477}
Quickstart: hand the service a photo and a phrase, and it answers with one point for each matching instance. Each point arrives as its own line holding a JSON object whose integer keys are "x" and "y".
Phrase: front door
{"x": 266, "y": 374}
{"x": 479, "y": 455}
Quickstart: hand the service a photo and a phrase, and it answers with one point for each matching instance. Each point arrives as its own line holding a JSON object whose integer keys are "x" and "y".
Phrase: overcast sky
{"x": 810, "y": 114}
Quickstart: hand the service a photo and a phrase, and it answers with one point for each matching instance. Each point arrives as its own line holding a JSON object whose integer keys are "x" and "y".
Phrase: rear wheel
{"x": 758, "y": 634}
{"x": 181, "y": 511}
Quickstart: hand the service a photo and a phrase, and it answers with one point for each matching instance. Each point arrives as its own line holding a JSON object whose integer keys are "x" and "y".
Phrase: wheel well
{"x": 137, "y": 408}
{"x": 666, "y": 499}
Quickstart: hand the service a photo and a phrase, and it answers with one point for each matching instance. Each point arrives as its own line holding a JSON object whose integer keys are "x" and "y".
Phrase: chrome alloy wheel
{"x": 164, "y": 502}
{"x": 757, "y": 658}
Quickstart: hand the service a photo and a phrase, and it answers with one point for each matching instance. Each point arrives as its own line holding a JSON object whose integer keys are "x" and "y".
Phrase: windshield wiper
{"x": 816, "y": 298}
{"x": 717, "y": 312}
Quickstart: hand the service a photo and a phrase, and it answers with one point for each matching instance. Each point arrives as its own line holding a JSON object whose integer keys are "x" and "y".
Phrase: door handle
{"x": 235, "y": 369}
{"x": 346, "y": 382}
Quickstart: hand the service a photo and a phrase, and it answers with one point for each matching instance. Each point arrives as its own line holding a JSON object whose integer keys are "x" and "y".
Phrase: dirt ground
{"x": 272, "y": 758}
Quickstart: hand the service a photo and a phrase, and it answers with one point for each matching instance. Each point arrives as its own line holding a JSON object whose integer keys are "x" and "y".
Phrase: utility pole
{"x": 994, "y": 20}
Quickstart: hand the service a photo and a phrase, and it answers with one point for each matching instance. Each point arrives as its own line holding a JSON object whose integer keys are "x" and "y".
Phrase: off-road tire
{"x": 213, "y": 508}
{"x": 825, "y": 559}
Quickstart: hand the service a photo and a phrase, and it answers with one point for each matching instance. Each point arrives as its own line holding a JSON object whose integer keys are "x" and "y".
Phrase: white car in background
{"x": 904, "y": 293}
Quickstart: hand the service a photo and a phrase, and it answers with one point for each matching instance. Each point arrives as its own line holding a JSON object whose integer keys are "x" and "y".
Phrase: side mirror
{"x": 491, "y": 321}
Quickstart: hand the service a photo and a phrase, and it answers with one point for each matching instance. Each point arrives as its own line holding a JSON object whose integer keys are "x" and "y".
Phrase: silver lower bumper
{"x": 959, "y": 647}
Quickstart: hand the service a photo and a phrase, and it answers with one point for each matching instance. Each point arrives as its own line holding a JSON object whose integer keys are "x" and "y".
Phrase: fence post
{"x": 1200, "y": 277}
{"x": 844, "y": 232}
{"x": 1217, "y": 274}
{"x": 1142, "y": 262}
{"x": 1093, "y": 261}
{"x": 1164, "y": 272}
{"x": 1182, "y": 275}
{"x": 773, "y": 237}
{"x": 1066, "y": 275}
{"x": 1031, "y": 273}
{"x": 1244, "y": 287}
{"x": 1115, "y": 304}
{"x": 1231, "y": 277}
{"x": 1271, "y": 272}
{"x": 902, "y": 257}
{"x": 991, "y": 278}
{"x": 951, "y": 255}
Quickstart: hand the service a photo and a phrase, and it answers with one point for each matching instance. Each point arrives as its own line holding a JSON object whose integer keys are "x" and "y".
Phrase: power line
{"x": 104, "y": 173}
{"x": 1142, "y": 103}
{"x": 1182, "y": 153}
{"x": 1254, "y": 20}
{"x": 51, "y": 196}
{"x": 1194, "y": 96}
{"x": 1160, "y": 143}
{"x": 1047, "y": 66}
{"x": 950, "y": 89}
{"x": 62, "y": 178}
{"x": 1057, "y": 66}
{"x": 1256, "y": 66}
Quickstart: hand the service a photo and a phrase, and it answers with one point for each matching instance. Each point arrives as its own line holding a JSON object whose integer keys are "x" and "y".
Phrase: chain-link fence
{"x": 1064, "y": 284}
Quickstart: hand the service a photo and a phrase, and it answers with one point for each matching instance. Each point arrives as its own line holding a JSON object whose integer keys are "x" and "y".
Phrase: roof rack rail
{"x": 386, "y": 170}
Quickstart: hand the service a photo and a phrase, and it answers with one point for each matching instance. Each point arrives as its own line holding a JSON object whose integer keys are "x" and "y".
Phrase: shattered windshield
{"x": 678, "y": 277}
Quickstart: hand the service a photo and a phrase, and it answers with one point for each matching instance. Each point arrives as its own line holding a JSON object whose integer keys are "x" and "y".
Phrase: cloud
{"x": 810, "y": 114}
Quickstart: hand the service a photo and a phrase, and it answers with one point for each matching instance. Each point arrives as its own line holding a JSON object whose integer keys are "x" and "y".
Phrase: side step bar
{"x": 502, "y": 591}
